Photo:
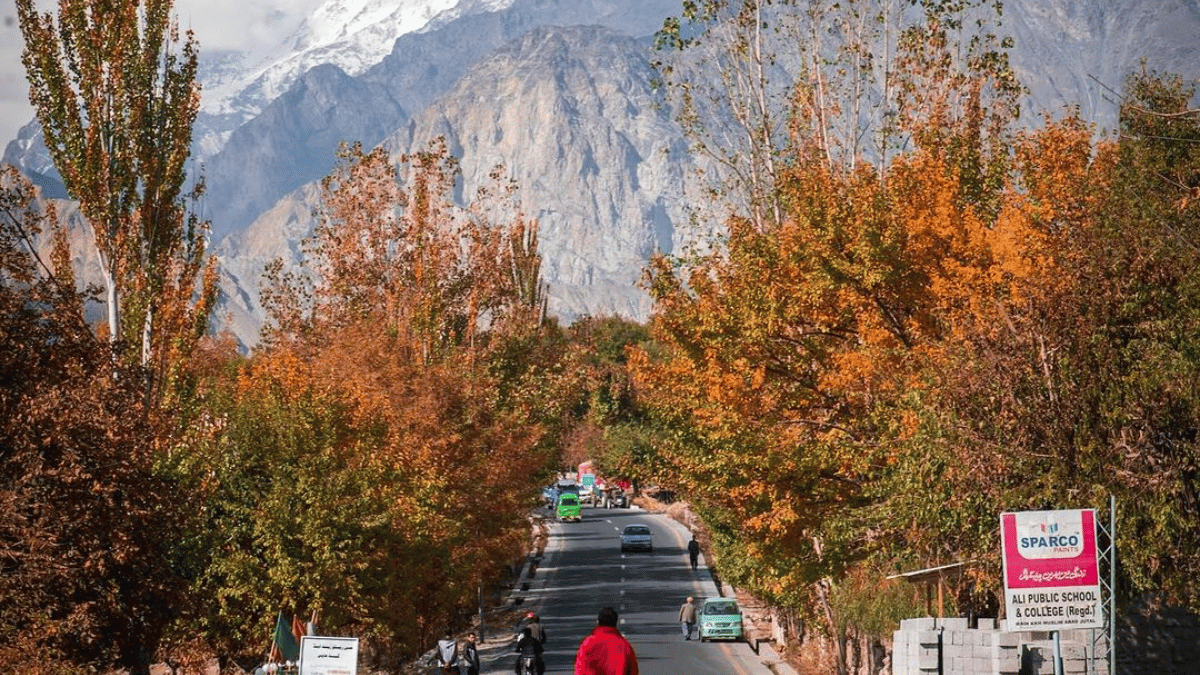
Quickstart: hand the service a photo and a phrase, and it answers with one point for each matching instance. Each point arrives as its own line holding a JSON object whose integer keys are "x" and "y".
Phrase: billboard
{"x": 1051, "y": 570}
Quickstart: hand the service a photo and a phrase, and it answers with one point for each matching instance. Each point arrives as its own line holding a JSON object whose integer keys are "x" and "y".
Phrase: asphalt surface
{"x": 583, "y": 569}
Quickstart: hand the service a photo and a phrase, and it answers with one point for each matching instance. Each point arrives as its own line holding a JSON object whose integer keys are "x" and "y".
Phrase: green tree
{"x": 116, "y": 106}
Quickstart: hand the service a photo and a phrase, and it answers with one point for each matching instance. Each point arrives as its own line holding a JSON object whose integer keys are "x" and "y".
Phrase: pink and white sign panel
{"x": 1051, "y": 571}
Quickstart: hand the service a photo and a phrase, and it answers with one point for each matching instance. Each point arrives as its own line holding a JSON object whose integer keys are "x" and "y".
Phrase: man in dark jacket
{"x": 529, "y": 646}
{"x": 468, "y": 662}
{"x": 605, "y": 651}
{"x": 534, "y": 624}
{"x": 694, "y": 552}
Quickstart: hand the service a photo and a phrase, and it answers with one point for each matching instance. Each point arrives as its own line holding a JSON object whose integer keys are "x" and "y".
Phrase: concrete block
{"x": 928, "y": 659}
{"x": 1002, "y": 639}
{"x": 953, "y": 623}
{"x": 928, "y": 638}
{"x": 1009, "y": 661}
{"x": 918, "y": 624}
{"x": 1073, "y": 652}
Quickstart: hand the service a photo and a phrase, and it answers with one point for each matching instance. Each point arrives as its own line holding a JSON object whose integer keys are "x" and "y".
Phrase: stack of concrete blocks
{"x": 1078, "y": 657}
{"x": 929, "y": 646}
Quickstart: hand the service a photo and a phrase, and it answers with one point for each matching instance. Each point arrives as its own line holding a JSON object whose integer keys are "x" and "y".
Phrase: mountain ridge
{"x": 601, "y": 166}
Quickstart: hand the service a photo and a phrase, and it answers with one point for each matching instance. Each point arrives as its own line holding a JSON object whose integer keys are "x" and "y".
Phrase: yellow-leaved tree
{"x": 116, "y": 104}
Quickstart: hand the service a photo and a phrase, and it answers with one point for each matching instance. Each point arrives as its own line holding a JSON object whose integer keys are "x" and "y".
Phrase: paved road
{"x": 583, "y": 569}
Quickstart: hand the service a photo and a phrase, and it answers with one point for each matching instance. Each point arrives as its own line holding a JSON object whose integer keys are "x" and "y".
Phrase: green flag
{"x": 285, "y": 642}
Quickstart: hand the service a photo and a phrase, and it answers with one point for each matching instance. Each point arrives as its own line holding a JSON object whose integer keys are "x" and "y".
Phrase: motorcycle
{"x": 528, "y": 665}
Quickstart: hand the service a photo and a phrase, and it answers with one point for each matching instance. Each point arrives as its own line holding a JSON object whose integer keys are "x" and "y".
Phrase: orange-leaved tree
{"x": 792, "y": 348}
{"x": 397, "y": 419}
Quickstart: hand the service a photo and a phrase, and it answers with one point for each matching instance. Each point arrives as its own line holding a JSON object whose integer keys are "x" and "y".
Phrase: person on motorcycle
{"x": 534, "y": 623}
{"x": 528, "y": 647}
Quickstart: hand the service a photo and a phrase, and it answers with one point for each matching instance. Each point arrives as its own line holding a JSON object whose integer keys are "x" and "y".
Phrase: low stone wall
{"x": 929, "y": 646}
{"x": 1158, "y": 641}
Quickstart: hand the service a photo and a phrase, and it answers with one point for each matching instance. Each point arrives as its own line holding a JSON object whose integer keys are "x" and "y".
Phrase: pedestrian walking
{"x": 687, "y": 617}
{"x": 694, "y": 552}
{"x": 447, "y": 654}
{"x": 605, "y": 651}
{"x": 468, "y": 662}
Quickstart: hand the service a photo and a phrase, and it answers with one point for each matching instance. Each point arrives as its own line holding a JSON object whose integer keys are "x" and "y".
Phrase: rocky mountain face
{"x": 292, "y": 142}
{"x": 570, "y": 114}
{"x": 559, "y": 92}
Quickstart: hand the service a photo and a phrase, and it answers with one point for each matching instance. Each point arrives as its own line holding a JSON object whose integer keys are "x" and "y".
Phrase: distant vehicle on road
{"x": 720, "y": 619}
{"x": 616, "y": 498}
{"x": 568, "y": 507}
{"x": 636, "y": 537}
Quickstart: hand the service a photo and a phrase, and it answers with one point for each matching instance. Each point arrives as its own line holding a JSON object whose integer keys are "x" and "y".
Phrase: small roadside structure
{"x": 933, "y": 578}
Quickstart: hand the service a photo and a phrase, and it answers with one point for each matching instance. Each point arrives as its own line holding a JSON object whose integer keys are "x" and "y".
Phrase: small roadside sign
{"x": 320, "y": 655}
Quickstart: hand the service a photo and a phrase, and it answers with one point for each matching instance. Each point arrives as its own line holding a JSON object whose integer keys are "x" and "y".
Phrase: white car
{"x": 636, "y": 537}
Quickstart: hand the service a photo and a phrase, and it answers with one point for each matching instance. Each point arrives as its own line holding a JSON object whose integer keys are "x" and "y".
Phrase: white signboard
{"x": 1051, "y": 571}
{"x": 328, "y": 655}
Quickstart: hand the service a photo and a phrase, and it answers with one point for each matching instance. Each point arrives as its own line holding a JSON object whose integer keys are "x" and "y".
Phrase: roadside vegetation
{"x": 919, "y": 315}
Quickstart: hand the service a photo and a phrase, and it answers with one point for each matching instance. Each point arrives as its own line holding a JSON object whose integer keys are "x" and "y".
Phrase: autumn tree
{"x": 1071, "y": 377}
{"x": 842, "y": 83}
{"x": 116, "y": 104}
{"x": 376, "y": 459}
{"x": 790, "y": 348}
{"x": 86, "y": 526}
{"x": 406, "y": 254}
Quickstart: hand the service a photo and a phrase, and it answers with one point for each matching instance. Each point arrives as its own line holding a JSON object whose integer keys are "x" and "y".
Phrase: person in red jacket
{"x": 605, "y": 651}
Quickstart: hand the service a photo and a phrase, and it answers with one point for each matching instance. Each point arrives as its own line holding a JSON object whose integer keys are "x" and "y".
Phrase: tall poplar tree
{"x": 116, "y": 102}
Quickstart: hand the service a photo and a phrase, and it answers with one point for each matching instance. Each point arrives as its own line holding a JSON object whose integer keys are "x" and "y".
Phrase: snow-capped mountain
{"x": 560, "y": 92}
{"x": 350, "y": 34}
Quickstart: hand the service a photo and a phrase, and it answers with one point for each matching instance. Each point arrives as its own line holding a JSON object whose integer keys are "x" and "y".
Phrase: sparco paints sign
{"x": 1051, "y": 572}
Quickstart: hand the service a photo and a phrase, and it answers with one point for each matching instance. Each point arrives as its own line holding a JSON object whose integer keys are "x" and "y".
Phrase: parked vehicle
{"x": 636, "y": 537}
{"x": 565, "y": 486}
{"x": 720, "y": 619}
{"x": 568, "y": 507}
